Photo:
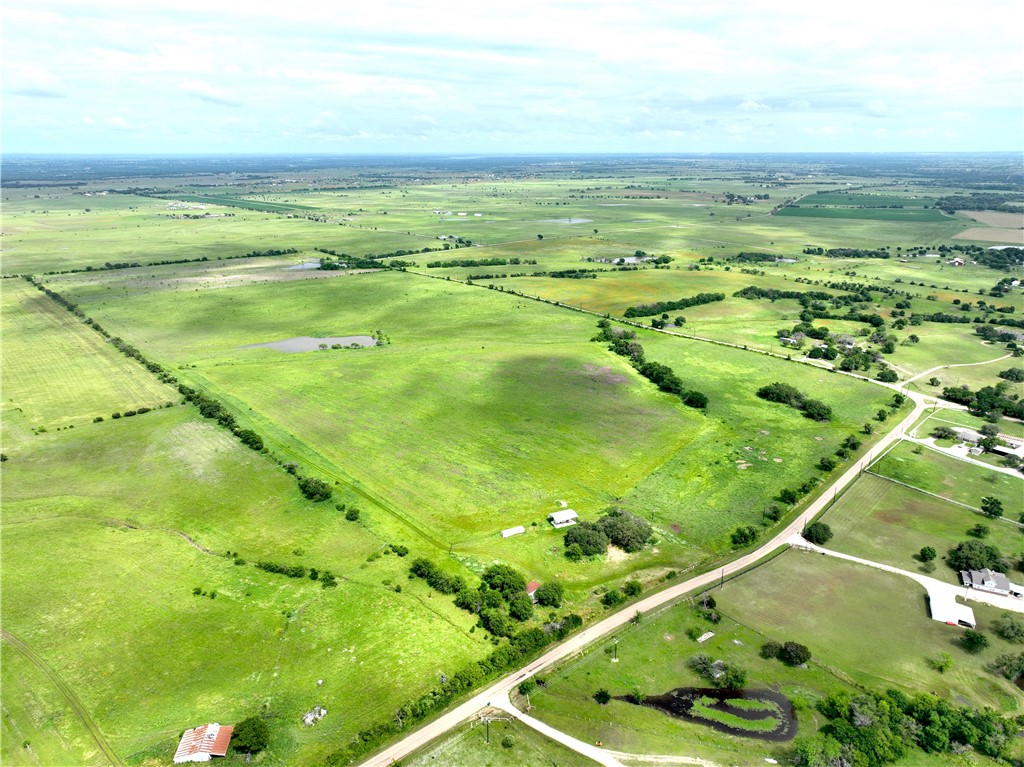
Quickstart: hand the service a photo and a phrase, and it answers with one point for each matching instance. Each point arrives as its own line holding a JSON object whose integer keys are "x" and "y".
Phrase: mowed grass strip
{"x": 59, "y": 371}
{"x": 468, "y": 747}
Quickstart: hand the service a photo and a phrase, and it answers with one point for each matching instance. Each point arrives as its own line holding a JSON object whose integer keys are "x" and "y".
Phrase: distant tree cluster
{"x": 661, "y": 307}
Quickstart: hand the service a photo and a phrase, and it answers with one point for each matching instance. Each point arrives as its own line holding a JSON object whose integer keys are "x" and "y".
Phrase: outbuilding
{"x": 518, "y": 530}
{"x": 944, "y": 607}
{"x": 201, "y": 744}
{"x": 564, "y": 518}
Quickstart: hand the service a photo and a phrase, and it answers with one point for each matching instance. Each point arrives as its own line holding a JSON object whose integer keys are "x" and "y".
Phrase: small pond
{"x": 308, "y": 344}
{"x": 762, "y": 714}
{"x": 314, "y": 264}
{"x": 567, "y": 221}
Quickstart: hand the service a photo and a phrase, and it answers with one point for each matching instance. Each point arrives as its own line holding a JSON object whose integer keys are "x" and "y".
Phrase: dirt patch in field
{"x": 668, "y": 637}
{"x": 676, "y": 529}
{"x": 603, "y": 374}
{"x": 615, "y": 554}
{"x": 1001, "y": 236}
{"x": 999, "y": 218}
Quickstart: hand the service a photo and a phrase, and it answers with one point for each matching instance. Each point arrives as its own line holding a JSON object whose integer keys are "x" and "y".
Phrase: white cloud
{"x": 208, "y": 93}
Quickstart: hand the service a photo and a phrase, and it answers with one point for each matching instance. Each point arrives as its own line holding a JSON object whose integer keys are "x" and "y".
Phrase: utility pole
{"x": 615, "y": 650}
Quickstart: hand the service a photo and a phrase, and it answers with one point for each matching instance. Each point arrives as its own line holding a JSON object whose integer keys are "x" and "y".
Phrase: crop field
{"x": 475, "y": 408}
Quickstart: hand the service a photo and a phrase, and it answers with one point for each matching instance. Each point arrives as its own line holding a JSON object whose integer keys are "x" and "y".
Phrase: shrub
{"x": 794, "y": 654}
{"x": 602, "y": 696}
{"x": 770, "y": 650}
{"x": 973, "y": 641}
{"x": 251, "y": 735}
{"x": 550, "y": 594}
{"x": 1010, "y": 627}
{"x": 352, "y": 515}
{"x": 574, "y": 552}
{"x": 743, "y": 535}
{"x": 991, "y": 507}
{"x": 521, "y": 607}
{"x": 633, "y": 588}
{"x": 314, "y": 489}
{"x": 250, "y": 439}
{"x": 827, "y": 463}
{"x": 613, "y": 598}
{"x": 495, "y": 621}
{"x": 527, "y": 686}
{"x": 508, "y": 741}
{"x": 818, "y": 533}
{"x": 978, "y": 531}
{"x": 927, "y": 554}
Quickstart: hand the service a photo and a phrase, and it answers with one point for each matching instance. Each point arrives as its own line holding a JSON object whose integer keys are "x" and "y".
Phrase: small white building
{"x": 518, "y": 530}
{"x": 565, "y": 518}
{"x": 946, "y": 609}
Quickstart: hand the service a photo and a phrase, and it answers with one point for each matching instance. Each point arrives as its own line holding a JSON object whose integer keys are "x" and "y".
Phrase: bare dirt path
{"x": 67, "y": 693}
{"x": 498, "y": 691}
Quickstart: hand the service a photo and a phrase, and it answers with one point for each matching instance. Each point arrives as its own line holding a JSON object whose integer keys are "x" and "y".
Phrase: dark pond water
{"x": 679, "y": 701}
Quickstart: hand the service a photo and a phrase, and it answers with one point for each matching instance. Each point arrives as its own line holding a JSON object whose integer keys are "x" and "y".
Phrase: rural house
{"x": 531, "y": 590}
{"x": 565, "y": 518}
{"x": 990, "y": 581}
{"x": 203, "y": 743}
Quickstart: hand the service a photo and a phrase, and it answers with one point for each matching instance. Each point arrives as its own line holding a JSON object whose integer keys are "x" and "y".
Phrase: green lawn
{"x": 468, "y": 747}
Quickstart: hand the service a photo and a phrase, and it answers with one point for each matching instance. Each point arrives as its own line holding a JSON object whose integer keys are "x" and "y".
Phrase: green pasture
{"x": 950, "y": 477}
{"x": 59, "y": 372}
{"x": 950, "y": 417}
{"x": 870, "y": 200}
{"x": 915, "y": 214}
{"x": 468, "y": 747}
{"x": 879, "y": 520}
{"x": 237, "y": 202}
{"x": 39, "y": 727}
{"x": 262, "y": 643}
{"x": 60, "y": 234}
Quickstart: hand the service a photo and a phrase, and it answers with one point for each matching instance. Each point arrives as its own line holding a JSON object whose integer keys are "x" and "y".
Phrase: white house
{"x": 565, "y": 518}
{"x": 990, "y": 581}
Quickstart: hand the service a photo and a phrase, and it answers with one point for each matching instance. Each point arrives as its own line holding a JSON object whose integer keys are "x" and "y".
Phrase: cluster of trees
{"x": 872, "y": 729}
{"x": 660, "y": 307}
{"x": 790, "y": 653}
{"x": 436, "y": 577}
{"x": 251, "y": 735}
{"x": 976, "y": 555}
{"x": 789, "y": 395}
{"x": 987, "y": 401}
{"x": 746, "y": 257}
{"x": 571, "y": 274}
{"x": 314, "y": 489}
{"x": 615, "y": 597}
{"x": 719, "y": 674}
{"x": 624, "y": 343}
{"x": 855, "y": 253}
{"x": 980, "y": 201}
{"x": 326, "y": 577}
{"x": 626, "y": 530}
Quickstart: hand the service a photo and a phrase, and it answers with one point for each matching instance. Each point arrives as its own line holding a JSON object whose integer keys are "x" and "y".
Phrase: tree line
{"x": 623, "y": 343}
{"x": 660, "y": 307}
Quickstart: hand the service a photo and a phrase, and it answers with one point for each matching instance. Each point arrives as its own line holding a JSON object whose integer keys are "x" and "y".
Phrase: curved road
{"x": 498, "y": 691}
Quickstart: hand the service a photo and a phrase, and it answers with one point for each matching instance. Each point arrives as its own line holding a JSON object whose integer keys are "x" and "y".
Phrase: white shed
{"x": 564, "y": 518}
{"x": 518, "y": 530}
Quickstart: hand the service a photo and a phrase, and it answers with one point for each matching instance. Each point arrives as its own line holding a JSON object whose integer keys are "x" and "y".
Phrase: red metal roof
{"x": 212, "y": 739}
{"x": 532, "y": 586}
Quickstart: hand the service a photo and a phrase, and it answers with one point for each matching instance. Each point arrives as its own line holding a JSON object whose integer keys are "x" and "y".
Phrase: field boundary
{"x": 940, "y": 497}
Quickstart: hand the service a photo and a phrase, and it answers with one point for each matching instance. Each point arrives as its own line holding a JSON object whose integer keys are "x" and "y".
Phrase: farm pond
{"x": 762, "y": 714}
{"x": 310, "y": 344}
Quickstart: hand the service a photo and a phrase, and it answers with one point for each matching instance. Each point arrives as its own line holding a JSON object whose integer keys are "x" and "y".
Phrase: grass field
{"x": 466, "y": 747}
{"x": 123, "y": 554}
{"x": 950, "y": 478}
{"x": 879, "y": 214}
{"x": 885, "y": 522}
{"x": 59, "y": 372}
{"x": 483, "y": 410}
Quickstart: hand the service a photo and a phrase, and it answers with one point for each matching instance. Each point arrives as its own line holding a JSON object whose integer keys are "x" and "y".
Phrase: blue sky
{"x": 294, "y": 76}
